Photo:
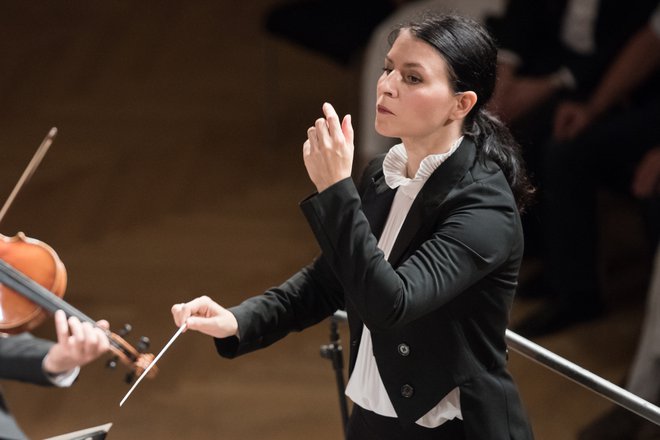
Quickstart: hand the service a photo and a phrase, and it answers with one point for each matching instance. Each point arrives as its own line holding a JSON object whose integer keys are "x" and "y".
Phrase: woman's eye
{"x": 412, "y": 79}
{"x": 387, "y": 70}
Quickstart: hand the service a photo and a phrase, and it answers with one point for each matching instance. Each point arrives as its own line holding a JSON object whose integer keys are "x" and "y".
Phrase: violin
{"x": 37, "y": 262}
{"x": 33, "y": 281}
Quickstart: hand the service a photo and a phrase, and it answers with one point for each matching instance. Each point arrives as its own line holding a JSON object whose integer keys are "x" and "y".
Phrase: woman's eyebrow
{"x": 408, "y": 64}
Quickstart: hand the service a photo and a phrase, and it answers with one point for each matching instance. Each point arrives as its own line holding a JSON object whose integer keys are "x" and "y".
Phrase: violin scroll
{"x": 136, "y": 359}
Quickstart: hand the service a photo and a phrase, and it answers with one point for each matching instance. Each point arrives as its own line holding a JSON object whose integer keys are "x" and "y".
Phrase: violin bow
{"x": 29, "y": 170}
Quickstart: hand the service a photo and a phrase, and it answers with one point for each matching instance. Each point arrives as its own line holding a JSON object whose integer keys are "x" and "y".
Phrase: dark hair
{"x": 471, "y": 57}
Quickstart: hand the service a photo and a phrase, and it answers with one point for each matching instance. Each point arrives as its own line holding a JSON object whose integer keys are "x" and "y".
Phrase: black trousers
{"x": 367, "y": 425}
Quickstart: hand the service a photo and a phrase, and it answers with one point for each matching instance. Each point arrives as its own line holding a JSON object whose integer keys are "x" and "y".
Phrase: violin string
{"x": 29, "y": 170}
{"x": 43, "y": 297}
{"x": 38, "y": 294}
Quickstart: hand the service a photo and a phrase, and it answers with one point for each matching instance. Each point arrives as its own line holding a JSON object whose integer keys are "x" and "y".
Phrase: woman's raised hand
{"x": 328, "y": 150}
{"x": 206, "y": 316}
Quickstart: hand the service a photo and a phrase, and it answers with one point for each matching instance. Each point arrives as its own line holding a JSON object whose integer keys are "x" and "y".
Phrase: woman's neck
{"x": 417, "y": 149}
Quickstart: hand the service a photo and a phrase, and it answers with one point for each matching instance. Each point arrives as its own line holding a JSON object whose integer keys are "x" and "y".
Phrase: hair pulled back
{"x": 471, "y": 58}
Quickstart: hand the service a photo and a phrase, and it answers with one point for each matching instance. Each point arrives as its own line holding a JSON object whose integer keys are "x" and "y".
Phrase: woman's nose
{"x": 386, "y": 83}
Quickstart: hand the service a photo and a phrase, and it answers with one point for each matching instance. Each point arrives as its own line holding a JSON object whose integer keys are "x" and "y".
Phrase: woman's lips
{"x": 384, "y": 110}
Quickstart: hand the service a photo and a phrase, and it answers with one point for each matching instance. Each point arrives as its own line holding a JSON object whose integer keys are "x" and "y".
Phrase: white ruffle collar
{"x": 394, "y": 168}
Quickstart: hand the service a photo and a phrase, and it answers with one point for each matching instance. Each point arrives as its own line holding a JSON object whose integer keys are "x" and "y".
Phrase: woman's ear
{"x": 465, "y": 102}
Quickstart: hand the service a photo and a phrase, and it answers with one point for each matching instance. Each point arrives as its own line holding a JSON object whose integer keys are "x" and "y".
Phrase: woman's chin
{"x": 383, "y": 130}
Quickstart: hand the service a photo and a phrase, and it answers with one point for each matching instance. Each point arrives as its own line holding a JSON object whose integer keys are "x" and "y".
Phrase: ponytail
{"x": 495, "y": 142}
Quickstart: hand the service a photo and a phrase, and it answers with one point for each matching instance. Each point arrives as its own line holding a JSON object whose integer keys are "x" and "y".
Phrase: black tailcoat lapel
{"x": 434, "y": 192}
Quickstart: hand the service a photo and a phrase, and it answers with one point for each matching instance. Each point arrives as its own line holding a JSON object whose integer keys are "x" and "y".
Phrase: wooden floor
{"x": 177, "y": 172}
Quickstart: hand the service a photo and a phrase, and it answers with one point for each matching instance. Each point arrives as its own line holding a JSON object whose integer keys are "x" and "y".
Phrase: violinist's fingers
{"x": 76, "y": 329}
{"x": 90, "y": 339}
{"x": 105, "y": 325}
{"x": 61, "y": 327}
{"x": 95, "y": 341}
{"x": 103, "y": 343}
{"x": 77, "y": 344}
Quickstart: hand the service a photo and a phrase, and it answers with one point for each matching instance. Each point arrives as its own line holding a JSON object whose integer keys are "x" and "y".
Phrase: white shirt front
{"x": 365, "y": 386}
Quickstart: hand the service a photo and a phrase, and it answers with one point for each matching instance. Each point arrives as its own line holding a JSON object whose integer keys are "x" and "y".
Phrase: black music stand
{"x": 94, "y": 433}
{"x": 333, "y": 352}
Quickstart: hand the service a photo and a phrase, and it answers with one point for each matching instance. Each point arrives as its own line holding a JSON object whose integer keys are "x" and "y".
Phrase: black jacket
{"x": 437, "y": 310}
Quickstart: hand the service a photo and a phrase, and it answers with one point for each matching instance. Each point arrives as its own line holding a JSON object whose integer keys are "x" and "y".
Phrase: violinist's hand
{"x": 77, "y": 344}
{"x": 206, "y": 316}
{"x": 328, "y": 150}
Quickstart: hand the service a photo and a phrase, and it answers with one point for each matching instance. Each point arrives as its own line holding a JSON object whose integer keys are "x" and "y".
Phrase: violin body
{"x": 37, "y": 261}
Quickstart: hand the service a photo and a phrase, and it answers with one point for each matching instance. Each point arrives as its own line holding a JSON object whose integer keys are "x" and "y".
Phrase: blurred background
{"x": 177, "y": 172}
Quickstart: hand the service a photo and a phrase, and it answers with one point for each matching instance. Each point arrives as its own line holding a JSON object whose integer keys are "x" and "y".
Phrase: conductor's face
{"x": 415, "y": 98}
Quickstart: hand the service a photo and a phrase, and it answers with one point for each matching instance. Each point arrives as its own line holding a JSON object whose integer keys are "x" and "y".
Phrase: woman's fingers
{"x": 312, "y": 138}
{"x": 347, "y": 129}
{"x": 206, "y": 316}
{"x": 201, "y": 306}
{"x": 328, "y": 150}
{"x": 210, "y": 326}
{"x": 332, "y": 121}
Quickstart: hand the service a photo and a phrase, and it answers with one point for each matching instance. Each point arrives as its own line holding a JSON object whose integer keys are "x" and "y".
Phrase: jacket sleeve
{"x": 307, "y": 298}
{"x": 21, "y": 358}
{"x": 471, "y": 239}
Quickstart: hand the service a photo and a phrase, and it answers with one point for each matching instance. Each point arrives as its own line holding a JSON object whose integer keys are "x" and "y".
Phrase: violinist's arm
{"x": 28, "y": 359}
{"x": 21, "y": 358}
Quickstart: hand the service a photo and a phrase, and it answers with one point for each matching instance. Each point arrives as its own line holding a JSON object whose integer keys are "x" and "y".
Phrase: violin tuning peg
{"x": 144, "y": 344}
{"x": 129, "y": 377}
{"x": 112, "y": 362}
{"x": 126, "y": 329}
